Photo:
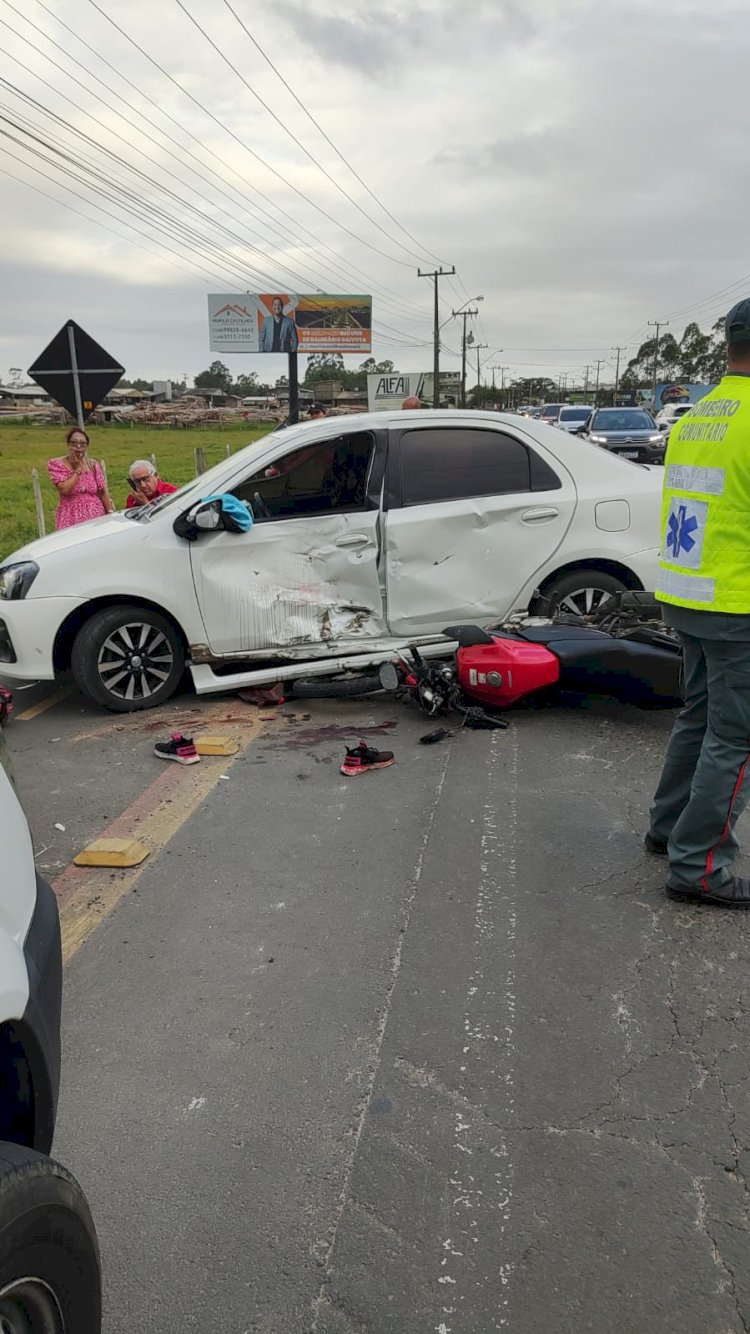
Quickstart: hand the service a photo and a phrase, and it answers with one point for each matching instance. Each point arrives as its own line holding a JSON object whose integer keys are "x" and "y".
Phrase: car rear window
{"x": 460, "y": 463}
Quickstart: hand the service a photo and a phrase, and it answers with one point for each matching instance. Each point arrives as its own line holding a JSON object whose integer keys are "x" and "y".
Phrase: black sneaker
{"x": 179, "y": 748}
{"x": 734, "y": 894}
{"x": 655, "y": 845}
{"x": 362, "y": 759}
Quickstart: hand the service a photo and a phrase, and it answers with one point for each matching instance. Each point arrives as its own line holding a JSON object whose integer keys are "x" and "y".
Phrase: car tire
{"x": 148, "y": 678}
{"x": 337, "y": 687}
{"x": 50, "y": 1274}
{"x": 579, "y": 593}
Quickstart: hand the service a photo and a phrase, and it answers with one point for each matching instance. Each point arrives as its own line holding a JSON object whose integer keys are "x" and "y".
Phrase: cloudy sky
{"x": 581, "y": 162}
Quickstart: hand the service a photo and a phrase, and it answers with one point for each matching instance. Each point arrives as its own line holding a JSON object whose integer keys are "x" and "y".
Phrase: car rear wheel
{"x": 50, "y": 1276}
{"x": 128, "y": 658}
{"x": 581, "y": 593}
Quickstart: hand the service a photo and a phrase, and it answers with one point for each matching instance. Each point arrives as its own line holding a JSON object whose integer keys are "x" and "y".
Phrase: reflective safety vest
{"x": 705, "y": 548}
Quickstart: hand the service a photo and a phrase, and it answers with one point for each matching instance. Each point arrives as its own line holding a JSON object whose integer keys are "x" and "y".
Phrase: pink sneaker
{"x": 179, "y": 748}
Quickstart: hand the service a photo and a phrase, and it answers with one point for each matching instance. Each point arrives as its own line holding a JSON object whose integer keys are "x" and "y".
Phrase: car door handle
{"x": 538, "y": 516}
{"x": 353, "y": 540}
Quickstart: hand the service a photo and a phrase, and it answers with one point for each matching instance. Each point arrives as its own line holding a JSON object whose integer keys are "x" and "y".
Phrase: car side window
{"x": 460, "y": 463}
{"x": 327, "y": 477}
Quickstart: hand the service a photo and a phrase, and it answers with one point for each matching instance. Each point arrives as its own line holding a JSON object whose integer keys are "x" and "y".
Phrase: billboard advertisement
{"x": 288, "y": 322}
{"x": 679, "y": 393}
{"x": 387, "y": 392}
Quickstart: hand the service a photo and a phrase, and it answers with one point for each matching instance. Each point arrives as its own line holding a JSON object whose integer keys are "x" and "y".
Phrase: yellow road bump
{"x": 87, "y": 894}
{"x": 216, "y": 745}
{"x": 113, "y": 852}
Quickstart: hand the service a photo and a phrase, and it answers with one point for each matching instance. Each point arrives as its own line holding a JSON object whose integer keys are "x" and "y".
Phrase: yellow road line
{"x": 88, "y": 895}
{"x": 44, "y": 705}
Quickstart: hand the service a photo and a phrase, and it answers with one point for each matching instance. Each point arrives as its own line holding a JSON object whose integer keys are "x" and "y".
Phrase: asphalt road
{"x": 423, "y": 1051}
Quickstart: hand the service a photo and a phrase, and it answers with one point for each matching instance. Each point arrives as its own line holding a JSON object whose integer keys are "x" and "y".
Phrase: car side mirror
{"x": 223, "y": 511}
{"x": 205, "y": 517}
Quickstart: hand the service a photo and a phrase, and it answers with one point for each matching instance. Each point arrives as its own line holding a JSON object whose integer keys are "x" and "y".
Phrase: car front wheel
{"x": 50, "y": 1276}
{"x": 128, "y": 658}
{"x": 581, "y": 593}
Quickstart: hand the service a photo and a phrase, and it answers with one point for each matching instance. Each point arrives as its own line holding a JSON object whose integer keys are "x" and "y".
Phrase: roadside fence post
{"x": 39, "y": 504}
{"x": 200, "y": 460}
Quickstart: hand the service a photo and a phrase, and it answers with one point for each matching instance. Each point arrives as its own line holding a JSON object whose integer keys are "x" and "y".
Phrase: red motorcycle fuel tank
{"x": 504, "y": 671}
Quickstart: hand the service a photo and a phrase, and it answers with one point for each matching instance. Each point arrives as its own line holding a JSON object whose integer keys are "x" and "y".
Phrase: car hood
{"x": 75, "y": 536}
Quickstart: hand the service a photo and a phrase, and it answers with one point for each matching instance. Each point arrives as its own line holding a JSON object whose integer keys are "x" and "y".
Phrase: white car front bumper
{"x": 28, "y": 629}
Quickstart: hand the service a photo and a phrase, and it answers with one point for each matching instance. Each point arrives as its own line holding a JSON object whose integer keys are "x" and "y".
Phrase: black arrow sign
{"x": 76, "y": 371}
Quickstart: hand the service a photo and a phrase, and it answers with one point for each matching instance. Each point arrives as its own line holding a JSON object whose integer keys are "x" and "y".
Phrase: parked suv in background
{"x": 550, "y": 413}
{"x": 573, "y": 417}
{"x": 666, "y": 417}
{"x": 49, "y": 1260}
{"x": 630, "y": 432}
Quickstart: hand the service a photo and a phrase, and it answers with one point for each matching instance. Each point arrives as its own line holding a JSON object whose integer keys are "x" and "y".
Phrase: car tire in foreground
{"x": 50, "y": 1275}
{"x": 336, "y": 687}
{"x": 128, "y": 658}
{"x": 580, "y": 593}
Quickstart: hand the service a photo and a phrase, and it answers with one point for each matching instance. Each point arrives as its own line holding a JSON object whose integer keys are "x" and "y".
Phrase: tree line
{"x": 320, "y": 366}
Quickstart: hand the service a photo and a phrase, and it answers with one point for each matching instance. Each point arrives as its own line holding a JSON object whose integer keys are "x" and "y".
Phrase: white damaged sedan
{"x": 370, "y": 532}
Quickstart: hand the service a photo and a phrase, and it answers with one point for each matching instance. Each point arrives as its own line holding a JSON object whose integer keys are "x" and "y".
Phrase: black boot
{"x": 734, "y": 894}
{"x": 652, "y": 843}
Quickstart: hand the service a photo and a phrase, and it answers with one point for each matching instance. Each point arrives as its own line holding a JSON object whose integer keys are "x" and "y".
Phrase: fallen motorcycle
{"x": 623, "y": 650}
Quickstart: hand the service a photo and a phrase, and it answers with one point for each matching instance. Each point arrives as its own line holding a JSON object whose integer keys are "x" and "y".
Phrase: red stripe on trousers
{"x": 710, "y": 858}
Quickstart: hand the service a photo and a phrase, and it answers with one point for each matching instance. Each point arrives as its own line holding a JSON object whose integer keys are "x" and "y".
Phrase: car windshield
{"x": 574, "y": 414}
{"x": 551, "y": 410}
{"x": 616, "y": 419}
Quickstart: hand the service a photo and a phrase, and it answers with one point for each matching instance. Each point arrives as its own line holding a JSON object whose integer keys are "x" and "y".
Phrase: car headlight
{"x": 656, "y": 440}
{"x": 598, "y": 439}
{"x": 16, "y": 580}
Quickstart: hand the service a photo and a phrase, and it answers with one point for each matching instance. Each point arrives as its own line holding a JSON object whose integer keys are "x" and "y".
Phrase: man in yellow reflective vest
{"x": 704, "y": 584}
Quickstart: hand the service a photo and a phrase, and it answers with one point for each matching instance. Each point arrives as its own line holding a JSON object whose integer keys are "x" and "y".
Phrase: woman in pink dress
{"x": 80, "y": 483}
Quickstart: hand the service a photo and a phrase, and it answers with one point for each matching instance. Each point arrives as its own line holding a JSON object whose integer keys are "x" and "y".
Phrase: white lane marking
{"x": 495, "y": 927}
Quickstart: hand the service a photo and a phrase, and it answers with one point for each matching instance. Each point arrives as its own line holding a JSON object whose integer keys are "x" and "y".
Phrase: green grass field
{"x": 25, "y": 447}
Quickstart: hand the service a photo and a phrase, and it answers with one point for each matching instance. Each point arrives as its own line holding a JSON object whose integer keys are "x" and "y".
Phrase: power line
{"x": 62, "y": 203}
{"x": 207, "y": 112}
{"x": 145, "y": 177}
{"x": 86, "y": 86}
{"x": 144, "y": 215}
{"x": 326, "y": 136}
{"x": 39, "y": 172}
{"x": 291, "y": 133}
{"x": 708, "y": 300}
{"x": 204, "y": 167}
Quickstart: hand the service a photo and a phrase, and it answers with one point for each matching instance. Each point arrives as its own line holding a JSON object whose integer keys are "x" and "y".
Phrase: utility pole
{"x": 586, "y": 379}
{"x": 477, "y": 348}
{"x": 658, "y": 325}
{"x": 494, "y": 367}
{"x": 436, "y": 275}
{"x": 465, "y": 315}
{"x": 618, "y": 350}
{"x": 598, "y": 365}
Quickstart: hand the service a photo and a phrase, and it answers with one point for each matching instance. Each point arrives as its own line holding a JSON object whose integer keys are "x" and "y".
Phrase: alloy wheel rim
{"x": 29, "y": 1306}
{"x": 135, "y": 660}
{"x": 584, "y": 601}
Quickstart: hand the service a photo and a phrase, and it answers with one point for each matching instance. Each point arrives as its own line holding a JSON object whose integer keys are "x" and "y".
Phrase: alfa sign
{"x": 387, "y": 392}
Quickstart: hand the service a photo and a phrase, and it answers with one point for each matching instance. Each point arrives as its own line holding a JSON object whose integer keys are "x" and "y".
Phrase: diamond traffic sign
{"x": 76, "y": 371}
